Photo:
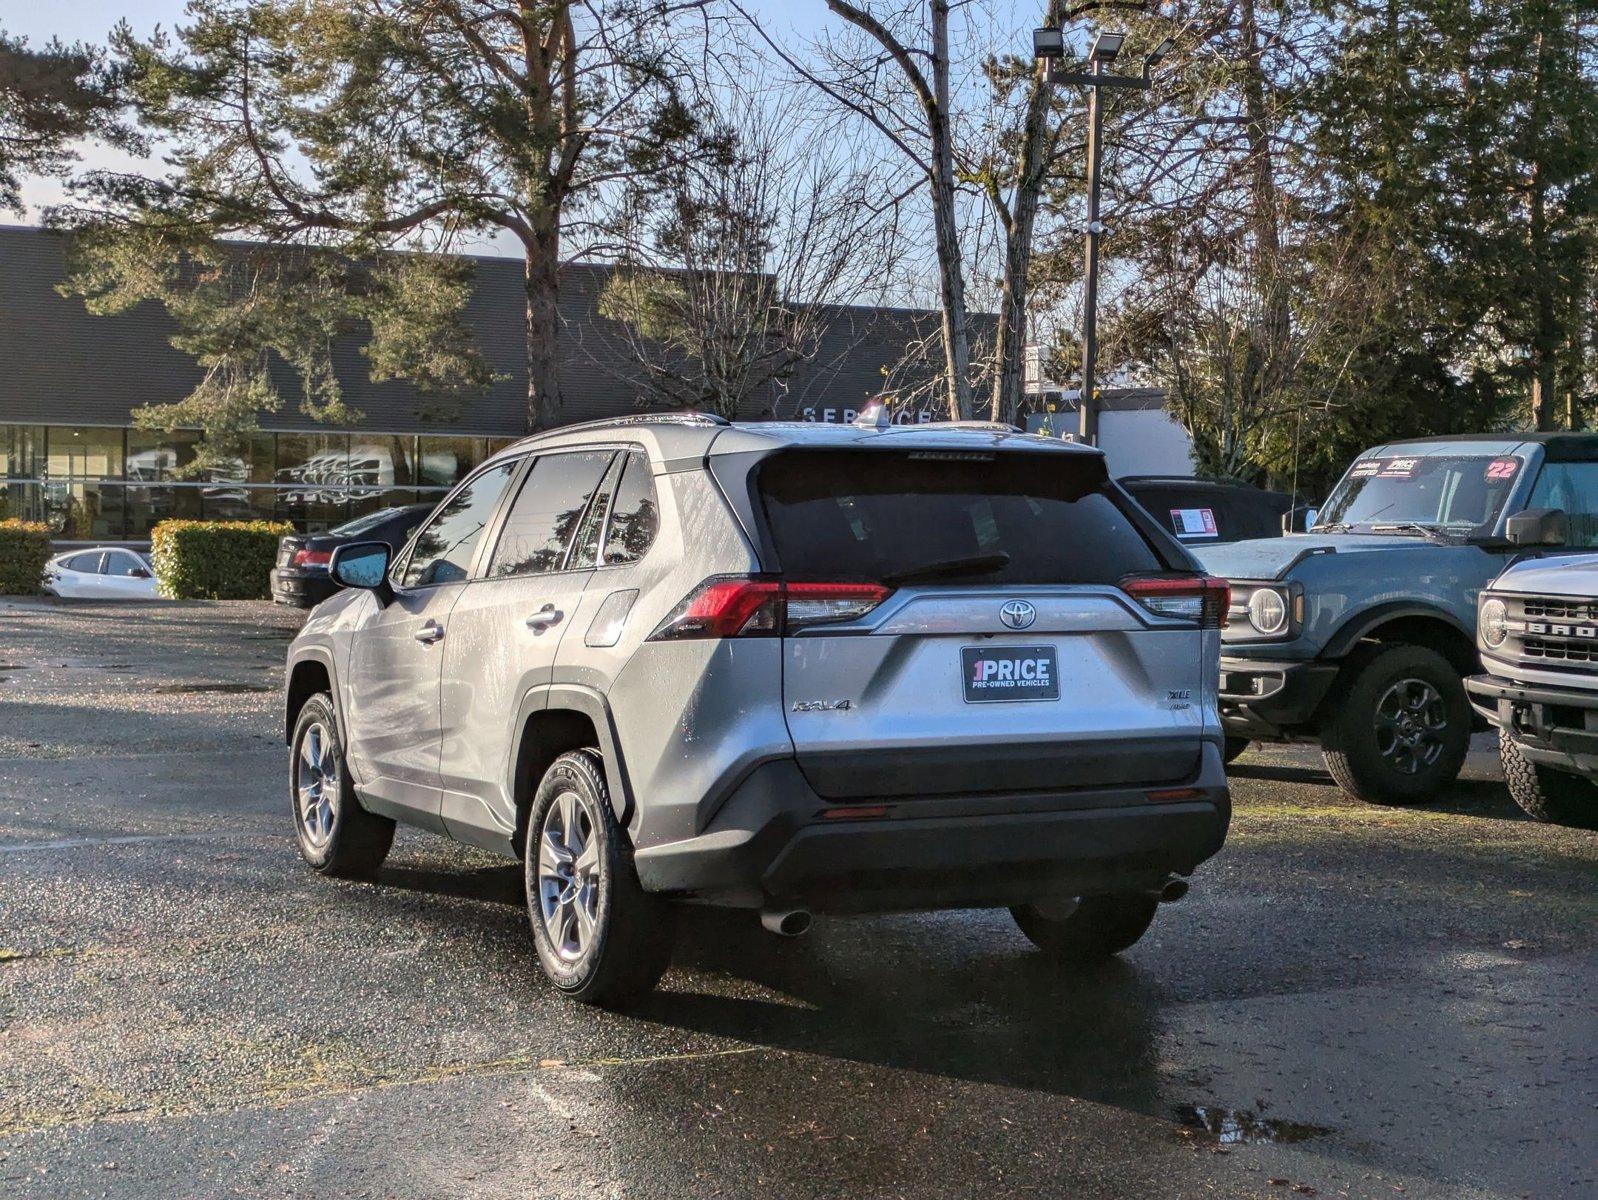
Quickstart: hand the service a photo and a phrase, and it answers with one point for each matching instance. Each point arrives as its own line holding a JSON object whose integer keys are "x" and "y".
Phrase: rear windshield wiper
{"x": 972, "y": 564}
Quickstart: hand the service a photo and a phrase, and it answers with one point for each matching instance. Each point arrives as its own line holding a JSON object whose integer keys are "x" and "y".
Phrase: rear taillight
{"x": 312, "y": 558}
{"x": 1190, "y": 597}
{"x": 754, "y": 606}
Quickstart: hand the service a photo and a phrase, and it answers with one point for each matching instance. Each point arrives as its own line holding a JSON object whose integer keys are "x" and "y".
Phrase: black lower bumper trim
{"x": 772, "y": 844}
{"x": 1269, "y": 700}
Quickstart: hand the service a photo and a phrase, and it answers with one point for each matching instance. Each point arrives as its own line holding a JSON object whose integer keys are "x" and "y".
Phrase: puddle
{"x": 1241, "y": 1127}
{"x": 190, "y": 689}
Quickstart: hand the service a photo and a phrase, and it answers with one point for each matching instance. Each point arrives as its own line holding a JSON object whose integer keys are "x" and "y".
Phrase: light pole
{"x": 1048, "y": 47}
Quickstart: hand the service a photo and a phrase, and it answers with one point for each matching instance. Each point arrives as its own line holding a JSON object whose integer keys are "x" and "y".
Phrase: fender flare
{"x": 1362, "y": 624}
{"x": 575, "y": 697}
{"x": 323, "y": 658}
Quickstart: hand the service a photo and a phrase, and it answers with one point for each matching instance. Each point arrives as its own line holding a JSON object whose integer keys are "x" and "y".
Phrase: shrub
{"x": 24, "y": 549}
{"x": 215, "y": 560}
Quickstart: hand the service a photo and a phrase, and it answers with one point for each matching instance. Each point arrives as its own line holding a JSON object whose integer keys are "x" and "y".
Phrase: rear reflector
{"x": 1170, "y": 794}
{"x": 728, "y": 606}
{"x": 1198, "y": 598}
{"x": 312, "y": 558}
{"x": 860, "y": 812}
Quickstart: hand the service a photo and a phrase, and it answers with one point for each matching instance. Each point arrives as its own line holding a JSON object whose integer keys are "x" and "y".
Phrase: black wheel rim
{"x": 1411, "y": 723}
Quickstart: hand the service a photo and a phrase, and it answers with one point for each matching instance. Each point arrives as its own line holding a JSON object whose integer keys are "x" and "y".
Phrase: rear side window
{"x": 89, "y": 563}
{"x": 635, "y": 517}
{"x": 543, "y": 520}
{"x": 874, "y": 515}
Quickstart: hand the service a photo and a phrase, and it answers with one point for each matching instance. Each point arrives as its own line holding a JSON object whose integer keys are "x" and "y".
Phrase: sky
{"x": 91, "y": 20}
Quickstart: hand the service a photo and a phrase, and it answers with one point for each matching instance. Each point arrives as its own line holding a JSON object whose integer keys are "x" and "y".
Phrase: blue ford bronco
{"x": 1359, "y": 634}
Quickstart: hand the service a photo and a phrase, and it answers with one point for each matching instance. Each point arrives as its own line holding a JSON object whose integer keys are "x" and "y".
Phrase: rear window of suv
{"x": 872, "y": 515}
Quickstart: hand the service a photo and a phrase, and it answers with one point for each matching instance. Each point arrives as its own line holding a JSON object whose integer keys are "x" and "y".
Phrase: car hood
{"x": 1268, "y": 558}
{"x": 1552, "y": 575}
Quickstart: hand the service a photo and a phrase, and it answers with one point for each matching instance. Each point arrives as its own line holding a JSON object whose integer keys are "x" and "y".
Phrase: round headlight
{"x": 1494, "y": 622}
{"x": 1267, "y": 611}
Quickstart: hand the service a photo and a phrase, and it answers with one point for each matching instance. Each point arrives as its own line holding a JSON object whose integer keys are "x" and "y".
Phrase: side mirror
{"x": 1300, "y": 518}
{"x": 1538, "y": 527}
{"x": 363, "y": 565}
{"x": 139, "y": 573}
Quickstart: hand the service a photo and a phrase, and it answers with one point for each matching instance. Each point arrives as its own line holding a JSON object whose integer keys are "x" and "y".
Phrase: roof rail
{"x": 655, "y": 418}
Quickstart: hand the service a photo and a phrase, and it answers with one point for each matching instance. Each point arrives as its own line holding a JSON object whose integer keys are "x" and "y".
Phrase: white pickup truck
{"x": 1537, "y": 630}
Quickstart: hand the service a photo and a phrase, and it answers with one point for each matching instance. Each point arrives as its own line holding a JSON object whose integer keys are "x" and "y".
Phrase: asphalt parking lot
{"x": 1352, "y": 1002}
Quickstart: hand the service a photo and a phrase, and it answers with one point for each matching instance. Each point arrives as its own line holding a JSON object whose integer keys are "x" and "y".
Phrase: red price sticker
{"x": 1503, "y": 468}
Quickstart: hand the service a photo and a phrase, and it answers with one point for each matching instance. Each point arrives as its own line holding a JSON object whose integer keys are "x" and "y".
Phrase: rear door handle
{"x": 429, "y": 633}
{"x": 544, "y": 618}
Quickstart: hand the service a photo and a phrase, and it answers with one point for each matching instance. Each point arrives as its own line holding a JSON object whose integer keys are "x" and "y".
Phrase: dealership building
{"x": 69, "y": 382}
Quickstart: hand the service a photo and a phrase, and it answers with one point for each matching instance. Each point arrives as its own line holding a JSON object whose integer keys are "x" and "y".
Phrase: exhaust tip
{"x": 1173, "y": 891}
{"x": 790, "y": 922}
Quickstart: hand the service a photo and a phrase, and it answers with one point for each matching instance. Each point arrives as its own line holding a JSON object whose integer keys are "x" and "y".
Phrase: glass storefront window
{"x": 154, "y": 455}
{"x": 21, "y": 451}
{"x": 382, "y": 460}
{"x": 83, "y": 452}
{"x": 84, "y": 512}
{"x": 446, "y": 460}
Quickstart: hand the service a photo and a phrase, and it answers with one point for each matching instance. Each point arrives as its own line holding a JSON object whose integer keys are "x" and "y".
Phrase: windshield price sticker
{"x": 1194, "y": 522}
{"x": 1503, "y": 468}
{"x": 1400, "y": 468}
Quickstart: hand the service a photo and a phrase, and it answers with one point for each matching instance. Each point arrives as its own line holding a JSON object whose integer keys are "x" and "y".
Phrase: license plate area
{"x": 996, "y": 673}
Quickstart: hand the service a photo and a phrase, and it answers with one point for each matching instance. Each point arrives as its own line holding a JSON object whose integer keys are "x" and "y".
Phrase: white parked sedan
{"x": 104, "y": 573}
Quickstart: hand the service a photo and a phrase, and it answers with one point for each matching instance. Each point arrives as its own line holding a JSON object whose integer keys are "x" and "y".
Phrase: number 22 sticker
{"x": 1503, "y": 468}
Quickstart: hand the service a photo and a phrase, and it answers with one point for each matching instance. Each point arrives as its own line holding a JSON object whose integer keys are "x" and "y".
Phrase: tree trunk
{"x": 1275, "y": 314}
{"x": 542, "y": 281}
{"x": 956, "y": 335}
{"x": 1545, "y": 329}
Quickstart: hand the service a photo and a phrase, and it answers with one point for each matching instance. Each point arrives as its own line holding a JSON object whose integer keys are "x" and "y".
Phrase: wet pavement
{"x": 1353, "y": 1001}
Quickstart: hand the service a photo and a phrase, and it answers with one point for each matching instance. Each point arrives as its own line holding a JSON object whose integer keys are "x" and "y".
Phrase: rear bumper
{"x": 771, "y": 845}
{"x": 1269, "y": 700}
{"x": 301, "y": 591}
{"x": 1554, "y": 726}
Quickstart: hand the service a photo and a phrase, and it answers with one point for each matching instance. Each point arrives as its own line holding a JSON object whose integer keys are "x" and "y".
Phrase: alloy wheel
{"x": 316, "y": 785}
{"x": 569, "y": 874}
{"x": 1411, "y": 719}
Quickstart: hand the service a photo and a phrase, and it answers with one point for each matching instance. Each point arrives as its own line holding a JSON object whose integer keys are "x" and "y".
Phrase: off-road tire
{"x": 1100, "y": 928}
{"x": 1555, "y": 797}
{"x": 1349, "y": 738}
{"x": 358, "y": 841}
{"x": 633, "y": 930}
{"x": 1234, "y": 749}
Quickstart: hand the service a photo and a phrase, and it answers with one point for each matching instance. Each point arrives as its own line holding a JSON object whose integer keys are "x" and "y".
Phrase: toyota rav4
{"x": 791, "y": 668}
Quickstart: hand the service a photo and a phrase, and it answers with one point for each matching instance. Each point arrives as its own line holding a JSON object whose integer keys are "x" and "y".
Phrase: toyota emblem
{"x": 1018, "y": 614}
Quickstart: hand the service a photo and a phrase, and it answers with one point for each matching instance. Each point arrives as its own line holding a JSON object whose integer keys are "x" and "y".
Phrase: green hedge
{"x": 216, "y": 560}
{"x": 24, "y": 549}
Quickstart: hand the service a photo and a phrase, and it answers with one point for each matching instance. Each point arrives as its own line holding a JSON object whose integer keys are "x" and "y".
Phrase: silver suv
{"x": 790, "y": 668}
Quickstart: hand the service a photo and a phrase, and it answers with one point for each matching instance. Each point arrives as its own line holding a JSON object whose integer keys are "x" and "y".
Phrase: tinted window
{"x": 868, "y": 515}
{"x": 443, "y": 552}
{"x": 1572, "y": 486}
{"x": 89, "y": 563}
{"x": 635, "y": 516}
{"x": 542, "y": 522}
{"x": 121, "y": 563}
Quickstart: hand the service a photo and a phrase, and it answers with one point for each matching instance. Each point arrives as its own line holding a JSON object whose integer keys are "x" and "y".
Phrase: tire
{"x": 601, "y": 939}
{"x": 1399, "y": 726}
{"x": 1234, "y": 749}
{"x": 335, "y": 834}
{"x": 1100, "y": 928}
{"x": 1555, "y": 797}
